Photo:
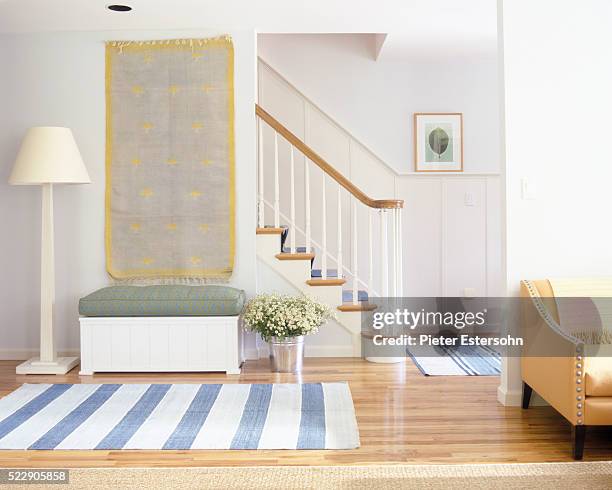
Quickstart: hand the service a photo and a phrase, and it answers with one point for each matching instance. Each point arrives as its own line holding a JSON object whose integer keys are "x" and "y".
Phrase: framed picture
{"x": 438, "y": 142}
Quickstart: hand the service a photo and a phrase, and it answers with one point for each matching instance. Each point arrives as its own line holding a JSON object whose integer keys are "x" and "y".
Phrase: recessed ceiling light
{"x": 119, "y": 8}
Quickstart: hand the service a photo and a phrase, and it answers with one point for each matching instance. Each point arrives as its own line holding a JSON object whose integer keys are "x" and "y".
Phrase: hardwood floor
{"x": 403, "y": 417}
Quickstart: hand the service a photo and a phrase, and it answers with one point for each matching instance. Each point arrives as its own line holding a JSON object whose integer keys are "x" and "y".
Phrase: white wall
{"x": 58, "y": 79}
{"x": 375, "y": 100}
{"x": 558, "y": 107}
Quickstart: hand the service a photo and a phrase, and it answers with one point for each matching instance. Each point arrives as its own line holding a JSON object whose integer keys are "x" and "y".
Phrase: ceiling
{"x": 413, "y": 27}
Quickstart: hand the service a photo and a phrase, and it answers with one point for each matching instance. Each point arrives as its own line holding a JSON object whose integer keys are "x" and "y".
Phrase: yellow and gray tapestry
{"x": 170, "y": 159}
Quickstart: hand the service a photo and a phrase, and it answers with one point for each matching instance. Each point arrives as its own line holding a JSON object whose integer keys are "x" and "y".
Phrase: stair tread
{"x": 295, "y": 256}
{"x": 268, "y": 230}
{"x": 330, "y": 281}
{"x": 359, "y": 307}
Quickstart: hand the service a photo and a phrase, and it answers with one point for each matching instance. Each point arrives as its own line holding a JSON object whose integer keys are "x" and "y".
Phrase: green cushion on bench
{"x": 176, "y": 300}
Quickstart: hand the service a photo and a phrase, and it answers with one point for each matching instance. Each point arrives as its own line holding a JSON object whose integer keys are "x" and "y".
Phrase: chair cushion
{"x": 598, "y": 410}
{"x": 174, "y": 300}
{"x": 598, "y": 376}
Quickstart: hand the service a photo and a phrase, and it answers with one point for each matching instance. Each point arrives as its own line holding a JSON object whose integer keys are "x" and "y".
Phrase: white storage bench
{"x": 151, "y": 342}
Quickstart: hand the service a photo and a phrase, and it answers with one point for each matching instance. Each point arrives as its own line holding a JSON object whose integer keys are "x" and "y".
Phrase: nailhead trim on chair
{"x": 579, "y": 375}
{"x": 535, "y": 296}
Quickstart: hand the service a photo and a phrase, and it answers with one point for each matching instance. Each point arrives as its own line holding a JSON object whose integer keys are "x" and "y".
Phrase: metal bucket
{"x": 286, "y": 355}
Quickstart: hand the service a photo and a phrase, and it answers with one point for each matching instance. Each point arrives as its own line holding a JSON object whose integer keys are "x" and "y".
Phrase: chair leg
{"x": 578, "y": 433}
{"x": 527, "y": 390}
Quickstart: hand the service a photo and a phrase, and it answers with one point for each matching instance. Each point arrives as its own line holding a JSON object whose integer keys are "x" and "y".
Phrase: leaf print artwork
{"x": 438, "y": 141}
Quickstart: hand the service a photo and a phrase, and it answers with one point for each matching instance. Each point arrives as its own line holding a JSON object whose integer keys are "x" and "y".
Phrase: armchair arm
{"x": 552, "y": 360}
{"x": 545, "y": 315}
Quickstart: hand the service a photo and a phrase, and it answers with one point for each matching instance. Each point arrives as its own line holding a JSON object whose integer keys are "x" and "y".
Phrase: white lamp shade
{"x": 49, "y": 155}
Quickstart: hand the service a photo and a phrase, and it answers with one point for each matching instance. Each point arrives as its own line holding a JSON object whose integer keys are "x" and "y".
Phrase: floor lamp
{"x": 48, "y": 156}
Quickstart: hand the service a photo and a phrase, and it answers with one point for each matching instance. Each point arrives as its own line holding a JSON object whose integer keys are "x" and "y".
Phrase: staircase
{"x": 375, "y": 265}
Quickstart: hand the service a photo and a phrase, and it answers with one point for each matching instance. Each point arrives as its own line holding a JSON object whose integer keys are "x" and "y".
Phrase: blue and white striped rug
{"x": 458, "y": 361}
{"x": 179, "y": 416}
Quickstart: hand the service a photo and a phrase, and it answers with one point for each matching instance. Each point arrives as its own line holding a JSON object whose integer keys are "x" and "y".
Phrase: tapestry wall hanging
{"x": 170, "y": 159}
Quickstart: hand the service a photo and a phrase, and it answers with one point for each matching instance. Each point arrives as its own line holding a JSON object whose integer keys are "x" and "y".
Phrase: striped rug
{"x": 179, "y": 416}
{"x": 458, "y": 361}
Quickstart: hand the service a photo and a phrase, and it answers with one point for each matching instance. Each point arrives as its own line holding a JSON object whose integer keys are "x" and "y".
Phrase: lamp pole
{"x": 47, "y": 279}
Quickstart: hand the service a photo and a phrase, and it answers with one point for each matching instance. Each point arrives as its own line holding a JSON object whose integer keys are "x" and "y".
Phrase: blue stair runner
{"x": 317, "y": 273}
{"x": 347, "y": 296}
{"x": 298, "y": 250}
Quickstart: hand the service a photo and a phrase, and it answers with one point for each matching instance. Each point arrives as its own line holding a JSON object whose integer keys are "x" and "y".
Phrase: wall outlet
{"x": 468, "y": 199}
{"x": 469, "y": 292}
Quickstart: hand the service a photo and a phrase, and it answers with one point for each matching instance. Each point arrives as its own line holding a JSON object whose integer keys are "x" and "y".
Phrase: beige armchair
{"x": 574, "y": 377}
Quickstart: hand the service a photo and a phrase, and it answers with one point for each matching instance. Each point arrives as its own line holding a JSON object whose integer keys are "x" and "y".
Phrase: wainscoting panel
{"x": 464, "y": 243}
{"x": 422, "y": 235}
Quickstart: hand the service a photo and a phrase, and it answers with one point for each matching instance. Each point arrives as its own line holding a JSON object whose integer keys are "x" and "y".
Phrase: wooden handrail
{"x": 326, "y": 167}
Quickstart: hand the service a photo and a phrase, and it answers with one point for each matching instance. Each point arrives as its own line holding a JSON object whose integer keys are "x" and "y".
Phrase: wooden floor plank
{"x": 403, "y": 417}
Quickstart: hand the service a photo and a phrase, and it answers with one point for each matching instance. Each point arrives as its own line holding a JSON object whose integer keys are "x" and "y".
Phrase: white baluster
{"x": 292, "y": 212}
{"x": 401, "y": 255}
{"x": 394, "y": 249}
{"x": 355, "y": 262}
{"x": 260, "y": 204}
{"x": 323, "y": 231}
{"x": 370, "y": 254}
{"x": 307, "y": 195}
{"x": 384, "y": 254}
{"x": 276, "y": 184}
{"x": 339, "y": 232}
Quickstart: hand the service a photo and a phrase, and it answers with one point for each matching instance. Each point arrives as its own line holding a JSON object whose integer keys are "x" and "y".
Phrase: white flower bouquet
{"x": 275, "y": 315}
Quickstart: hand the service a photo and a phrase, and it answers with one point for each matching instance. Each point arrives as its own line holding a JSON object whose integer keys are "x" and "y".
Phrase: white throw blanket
{"x": 585, "y": 308}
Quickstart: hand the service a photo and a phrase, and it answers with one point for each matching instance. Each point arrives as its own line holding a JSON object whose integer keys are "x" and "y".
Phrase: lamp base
{"x": 35, "y": 366}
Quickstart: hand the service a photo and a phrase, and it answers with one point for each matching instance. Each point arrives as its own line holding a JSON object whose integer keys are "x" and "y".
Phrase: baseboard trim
{"x": 24, "y": 354}
{"x": 312, "y": 351}
{"x": 510, "y": 398}
{"x": 328, "y": 351}
{"x": 251, "y": 354}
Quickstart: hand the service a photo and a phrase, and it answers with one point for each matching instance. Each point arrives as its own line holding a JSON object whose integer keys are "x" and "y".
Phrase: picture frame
{"x": 438, "y": 141}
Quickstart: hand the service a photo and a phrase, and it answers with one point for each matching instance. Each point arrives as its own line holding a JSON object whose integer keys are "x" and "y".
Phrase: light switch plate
{"x": 528, "y": 190}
